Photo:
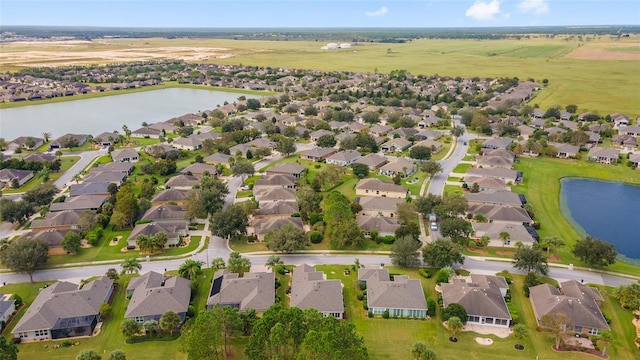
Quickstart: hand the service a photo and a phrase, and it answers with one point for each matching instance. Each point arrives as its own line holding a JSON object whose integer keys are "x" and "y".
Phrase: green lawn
{"x": 462, "y": 168}
{"x": 242, "y": 246}
{"x": 542, "y": 189}
{"x": 65, "y": 163}
{"x": 452, "y": 189}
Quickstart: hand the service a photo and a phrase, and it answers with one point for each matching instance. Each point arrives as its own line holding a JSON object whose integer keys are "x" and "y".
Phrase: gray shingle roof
{"x": 165, "y": 212}
{"x": 480, "y": 301}
{"x": 309, "y": 289}
{"x": 500, "y": 197}
{"x": 380, "y": 203}
{"x": 401, "y": 293}
{"x": 252, "y": 291}
{"x": 377, "y": 184}
{"x": 182, "y": 181}
{"x": 152, "y": 299}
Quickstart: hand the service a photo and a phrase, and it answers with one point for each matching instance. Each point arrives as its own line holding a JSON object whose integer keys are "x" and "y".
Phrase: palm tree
{"x": 169, "y": 321}
{"x": 77, "y": 177}
{"x": 217, "y": 264}
{"x": 160, "y": 240}
{"x": 131, "y": 265}
{"x": 44, "y": 174}
{"x": 455, "y": 326}
{"x": 46, "y": 136}
{"x": 145, "y": 243}
{"x": 273, "y": 261}
{"x": 356, "y": 264}
{"x": 150, "y": 326}
{"x": 505, "y": 236}
{"x": 126, "y": 131}
{"x": 555, "y": 243}
{"x": 520, "y": 331}
{"x": 190, "y": 269}
{"x": 58, "y": 154}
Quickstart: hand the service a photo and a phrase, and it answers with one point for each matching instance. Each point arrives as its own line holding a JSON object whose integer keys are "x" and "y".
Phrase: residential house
{"x": 482, "y": 297}
{"x": 604, "y": 155}
{"x": 188, "y": 143}
{"x": 630, "y": 130}
{"x": 269, "y": 194}
{"x": 403, "y": 133}
{"x": 112, "y": 177}
{"x": 526, "y": 131}
{"x": 218, "y": 158}
{"x": 165, "y": 212}
{"x": 496, "y": 197}
{"x": 379, "y": 206}
{"x": 106, "y": 139}
{"x": 435, "y": 146}
{"x": 153, "y": 294}
{"x": 64, "y": 140}
{"x": 147, "y": 132}
{"x": 517, "y": 233}
{"x": 182, "y": 181}
{"x": 356, "y": 127}
{"x": 199, "y": 169}
{"x": 427, "y": 134}
{"x": 277, "y": 208}
{"x": 62, "y": 220}
{"x": 485, "y": 183}
{"x": 10, "y": 176}
{"x": 400, "y": 166}
{"x": 344, "y": 158}
{"x": 175, "y": 231}
{"x": 25, "y": 142}
{"x": 314, "y": 136}
{"x": 565, "y": 151}
{"x": 373, "y": 161}
{"x": 380, "y": 130}
{"x": 125, "y": 155}
{"x": 39, "y": 157}
{"x": 317, "y": 154}
{"x": 628, "y": 142}
{"x": 254, "y": 290}
{"x": 311, "y": 289}
{"x": 275, "y": 181}
{"x": 385, "y": 226}
{"x": 97, "y": 188}
{"x": 635, "y": 160}
{"x": 64, "y": 310}
{"x": 165, "y": 127}
{"x": 7, "y": 308}
{"x": 52, "y": 237}
{"x": 620, "y": 120}
{"x": 261, "y": 226}
{"x": 580, "y": 303}
{"x": 497, "y": 143}
{"x": 507, "y": 175}
{"x": 496, "y": 158}
{"x": 400, "y": 296}
{"x": 502, "y": 214}
{"x": 170, "y": 195}
{"x": 294, "y": 170}
{"x": 115, "y": 167}
{"x": 377, "y": 187}
{"x": 395, "y": 145}
{"x": 161, "y": 151}
{"x": 80, "y": 203}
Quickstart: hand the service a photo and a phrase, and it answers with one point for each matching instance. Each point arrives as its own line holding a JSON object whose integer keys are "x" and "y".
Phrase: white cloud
{"x": 483, "y": 10}
{"x": 380, "y": 12}
{"x": 537, "y": 7}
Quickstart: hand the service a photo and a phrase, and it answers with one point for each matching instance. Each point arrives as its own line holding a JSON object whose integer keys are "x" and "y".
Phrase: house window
{"x": 41, "y": 332}
{"x": 473, "y": 318}
{"x": 577, "y": 329}
{"x": 139, "y": 319}
{"x": 23, "y": 335}
{"x": 488, "y": 320}
{"x": 507, "y": 243}
{"x": 377, "y": 192}
{"x": 593, "y": 331}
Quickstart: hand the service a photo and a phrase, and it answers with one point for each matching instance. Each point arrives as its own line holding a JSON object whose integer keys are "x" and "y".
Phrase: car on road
{"x": 244, "y": 187}
{"x": 434, "y": 226}
{"x": 464, "y": 143}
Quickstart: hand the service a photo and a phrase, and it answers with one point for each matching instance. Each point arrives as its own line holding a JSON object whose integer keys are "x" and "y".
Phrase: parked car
{"x": 434, "y": 226}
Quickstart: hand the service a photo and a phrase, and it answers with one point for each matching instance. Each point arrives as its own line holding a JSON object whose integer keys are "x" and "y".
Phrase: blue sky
{"x": 320, "y": 13}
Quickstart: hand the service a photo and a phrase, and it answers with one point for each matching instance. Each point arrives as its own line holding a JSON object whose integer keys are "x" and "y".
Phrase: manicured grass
{"x": 242, "y": 246}
{"x": 542, "y": 189}
{"x": 243, "y": 194}
{"x": 65, "y": 163}
{"x": 462, "y": 168}
{"x": 452, "y": 189}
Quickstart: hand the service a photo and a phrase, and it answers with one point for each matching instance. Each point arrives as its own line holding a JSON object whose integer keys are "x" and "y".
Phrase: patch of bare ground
{"x": 603, "y": 52}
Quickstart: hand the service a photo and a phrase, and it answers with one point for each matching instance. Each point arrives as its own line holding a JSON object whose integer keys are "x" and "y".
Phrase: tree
{"x": 238, "y": 263}
{"x": 41, "y": 195}
{"x": 88, "y": 354}
{"x": 253, "y": 104}
{"x": 194, "y": 206}
{"x": 431, "y": 167}
{"x": 231, "y": 325}
{"x": 426, "y": 204}
{"x": 25, "y": 256}
{"x": 15, "y": 211}
{"x": 130, "y": 328}
{"x": 420, "y": 351}
{"x": 190, "y": 269}
{"x": 455, "y": 227}
{"x": 150, "y": 327}
{"x": 86, "y": 221}
{"x": 308, "y": 202}
{"x": 229, "y": 223}
{"x": 126, "y": 131}
{"x": 371, "y": 117}
{"x": 169, "y": 321}
{"x": 411, "y": 229}
{"x": 450, "y": 206}
{"x": 528, "y": 258}
{"x": 273, "y": 261}
{"x": 71, "y": 242}
{"x": 326, "y": 141}
{"x": 8, "y": 350}
{"x": 212, "y": 194}
{"x": 117, "y": 355}
{"x": 286, "y": 146}
{"x": 505, "y": 236}
{"x": 112, "y": 274}
{"x": 553, "y": 242}
{"x": 571, "y": 108}
{"x": 287, "y": 239}
{"x": 242, "y": 168}
{"x": 520, "y": 332}
{"x": 420, "y": 152}
{"x": 126, "y": 206}
{"x": 46, "y": 135}
{"x": 455, "y": 310}
{"x": 217, "y": 264}
{"x": 628, "y": 295}
{"x": 595, "y": 252}
{"x": 202, "y": 337}
{"x": 404, "y": 252}
{"x": 557, "y": 324}
{"x": 131, "y": 265}
{"x": 146, "y": 243}
{"x": 345, "y": 234}
{"x": 441, "y": 253}
{"x": 605, "y": 337}
{"x": 457, "y": 131}
{"x": 455, "y": 326}
{"x": 360, "y": 170}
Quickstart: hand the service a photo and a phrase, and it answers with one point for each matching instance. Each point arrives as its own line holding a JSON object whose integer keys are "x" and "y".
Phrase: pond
{"x": 605, "y": 210}
{"x": 108, "y": 113}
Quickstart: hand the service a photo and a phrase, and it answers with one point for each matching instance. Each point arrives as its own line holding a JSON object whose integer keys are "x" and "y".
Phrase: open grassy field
{"x": 597, "y": 75}
{"x": 542, "y": 189}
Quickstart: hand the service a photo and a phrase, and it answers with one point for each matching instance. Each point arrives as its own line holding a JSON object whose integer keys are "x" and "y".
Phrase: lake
{"x": 109, "y": 113}
{"x": 605, "y": 210}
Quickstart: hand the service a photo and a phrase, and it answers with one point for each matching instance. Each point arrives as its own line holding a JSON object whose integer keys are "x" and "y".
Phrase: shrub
{"x": 385, "y": 314}
{"x": 191, "y": 311}
{"x": 278, "y": 284}
{"x": 442, "y": 276}
{"x": 66, "y": 343}
{"x": 365, "y": 305}
{"x": 456, "y": 310}
{"x": 529, "y": 281}
{"x": 18, "y": 300}
{"x": 431, "y": 307}
{"x": 389, "y": 240}
{"x": 363, "y": 285}
{"x": 370, "y": 314}
{"x": 92, "y": 238}
{"x": 315, "y": 237}
{"x": 280, "y": 269}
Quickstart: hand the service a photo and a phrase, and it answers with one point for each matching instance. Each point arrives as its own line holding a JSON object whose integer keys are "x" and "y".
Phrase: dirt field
{"x": 605, "y": 52}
